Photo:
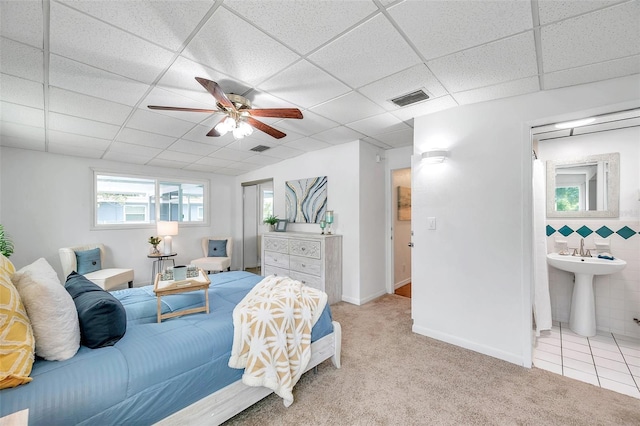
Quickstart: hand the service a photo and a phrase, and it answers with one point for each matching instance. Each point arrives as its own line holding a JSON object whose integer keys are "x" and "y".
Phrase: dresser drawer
{"x": 306, "y": 248}
{"x": 279, "y": 245}
{"x": 276, "y": 259}
{"x": 305, "y": 265}
{"x": 310, "y": 280}
{"x": 273, "y": 270}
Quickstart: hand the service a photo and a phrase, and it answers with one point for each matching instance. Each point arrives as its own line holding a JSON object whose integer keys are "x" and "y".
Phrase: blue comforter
{"x": 153, "y": 371}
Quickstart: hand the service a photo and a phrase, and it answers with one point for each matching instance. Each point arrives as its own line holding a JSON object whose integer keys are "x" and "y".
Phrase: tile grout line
{"x": 561, "y": 350}
{"x": 625, "y": 362}
{"x": 595, "y": 367}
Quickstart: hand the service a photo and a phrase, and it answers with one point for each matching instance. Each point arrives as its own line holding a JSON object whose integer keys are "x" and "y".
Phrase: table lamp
{"x": 167, "y": 229}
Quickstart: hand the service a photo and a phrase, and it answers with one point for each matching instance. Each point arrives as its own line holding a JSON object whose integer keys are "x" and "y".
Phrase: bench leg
{"x": 130, "y": 284}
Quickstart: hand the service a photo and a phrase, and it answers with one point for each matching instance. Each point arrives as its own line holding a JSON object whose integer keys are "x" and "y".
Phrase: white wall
{"x": 617, "y": 295}
{"x": 342, "y": 166}
{"x": 46, "y": 204}
{"x": 472, "y": 275}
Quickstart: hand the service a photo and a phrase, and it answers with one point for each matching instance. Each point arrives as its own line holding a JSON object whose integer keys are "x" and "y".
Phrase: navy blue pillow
{"x": 217, "y": 248}
{"x": 88, "y": 261}
{"x": 103, "y": 319}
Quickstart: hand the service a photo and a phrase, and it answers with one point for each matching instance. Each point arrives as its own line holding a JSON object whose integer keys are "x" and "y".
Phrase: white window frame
{"x": 206, "y": 202}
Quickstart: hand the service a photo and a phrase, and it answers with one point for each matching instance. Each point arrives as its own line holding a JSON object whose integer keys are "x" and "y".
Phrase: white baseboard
{"x": 401, "y": 283}
{"x": 483, "y": 349}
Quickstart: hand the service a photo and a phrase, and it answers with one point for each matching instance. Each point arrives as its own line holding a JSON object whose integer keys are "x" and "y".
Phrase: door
{"x": 401, "y": 199}
{"x": 257, "y": 203}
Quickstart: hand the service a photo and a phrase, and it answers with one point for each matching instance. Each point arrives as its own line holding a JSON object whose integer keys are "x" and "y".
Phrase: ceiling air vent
{"x": 410, "y": 98}
{"x": 260, "y": 148}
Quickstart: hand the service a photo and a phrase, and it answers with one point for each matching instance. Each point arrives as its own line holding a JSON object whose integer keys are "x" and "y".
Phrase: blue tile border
{"x": 584, "y": 231}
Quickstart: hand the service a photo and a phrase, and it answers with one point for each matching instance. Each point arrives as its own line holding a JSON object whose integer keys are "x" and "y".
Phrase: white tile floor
{"x": 605, "y": 360}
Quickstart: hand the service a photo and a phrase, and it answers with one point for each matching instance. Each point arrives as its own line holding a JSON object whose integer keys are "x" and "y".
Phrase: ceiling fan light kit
{"x": 239, "y": 114}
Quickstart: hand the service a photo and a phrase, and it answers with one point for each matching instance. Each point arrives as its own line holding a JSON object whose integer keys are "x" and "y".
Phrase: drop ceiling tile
{"x": 21, "y": 60}
{"x": 383, "y": 123}
{"x": 303, "y": 25}
{"x": 181, "y": 76}
{"x": 21, "y": 91}
{"x": 262, "y": 159}
{"x": 81, "y": 126}
{"x": 74, "y": 140}
{"x": 501, "y": 90}
{"x": 23, "y": 143}
{"x": 377, "y": 143}
{"x": 139, "y": 137}
{"x": 594, "y": 72}
{"x": 189, "y": 147}
{"x": 439, "y": 28}
{"x": 338, "y": 135}
{"x": 555, "y": 10}
{"x": 199, "y": 134}
{"x": 231, "y": 154}
{"x": 229, "y": 172}
{"x": 30, "y": 135}
{"x": 240, "y": 49}
{"x": 93, "y": 42}
{"x": 136, "y": 150}
{"x": 169, "y": 164}
{"x": 308, "y": 144}
{"x": 22, "y": 21}
{"x": 424, "y": 108}
{"x": 397, "y": 139}
{"x": 348, "y": 108}
{"x": 243, "y": 167}
{"x": 21, "y": 114}
{"x": 213, "y": 162}
{"x": 81, "y": 78}
{"x": 284, "y": 152}
{"x": 167, "y": 23}
{"x": 401, "y": 83}
{"x": 79, "y": 105}
{"x": 179, "y": 157}
{"x": 74, "y": 151}
{"x": 305, "y": 85}
{"x": 505, "y": 60}
{"x": 310, "y": 124}
{"x": 162, "y": 97}
{"x": 376, "y": 49}
{"x": 158, "y": 123}
{"x": 122, "y": 157}
{"x": 200, "y": 168}
{"x": 604, "y": 35}
{"x": 260, "y": 99}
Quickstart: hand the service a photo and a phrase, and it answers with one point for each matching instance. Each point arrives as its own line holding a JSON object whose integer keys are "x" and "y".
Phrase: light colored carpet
{"x": 391, "y": 376}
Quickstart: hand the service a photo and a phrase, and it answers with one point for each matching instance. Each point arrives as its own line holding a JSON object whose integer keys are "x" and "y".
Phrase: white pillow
{"x": 51, "y": 310}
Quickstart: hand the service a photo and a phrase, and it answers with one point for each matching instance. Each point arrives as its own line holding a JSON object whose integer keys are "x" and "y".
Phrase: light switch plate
{"x": 431, "y": 223}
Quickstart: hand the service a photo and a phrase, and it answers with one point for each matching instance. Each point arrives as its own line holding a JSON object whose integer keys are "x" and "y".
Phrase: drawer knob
{"x": 304, "y": 266}
{"x": 303, "y": 249}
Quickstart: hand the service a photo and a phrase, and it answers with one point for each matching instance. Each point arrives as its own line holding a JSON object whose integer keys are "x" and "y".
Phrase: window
{"x": 568, "y": 198}
{"x": 128, "y": 200}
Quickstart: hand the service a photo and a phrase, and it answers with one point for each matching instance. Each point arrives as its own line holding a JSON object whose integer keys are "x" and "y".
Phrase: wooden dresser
{"x": 314, "y": 259}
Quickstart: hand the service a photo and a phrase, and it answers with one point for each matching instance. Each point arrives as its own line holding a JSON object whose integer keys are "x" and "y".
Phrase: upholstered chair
{"x": 88, "y": 261}
{"x": 215, "y": 258}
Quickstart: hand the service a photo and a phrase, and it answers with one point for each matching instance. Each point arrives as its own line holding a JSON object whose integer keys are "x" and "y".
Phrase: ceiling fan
{"x": 239, "y": 115}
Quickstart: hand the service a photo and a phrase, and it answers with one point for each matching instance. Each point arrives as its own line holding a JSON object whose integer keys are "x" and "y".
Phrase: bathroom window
{"x": 568, "y": 199}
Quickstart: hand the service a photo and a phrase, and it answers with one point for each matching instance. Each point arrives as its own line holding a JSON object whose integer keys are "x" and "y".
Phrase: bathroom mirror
{"x": 584, "y": 187}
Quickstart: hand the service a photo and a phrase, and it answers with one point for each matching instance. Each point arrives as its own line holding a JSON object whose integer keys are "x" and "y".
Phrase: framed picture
{"x": 281, "y": 226}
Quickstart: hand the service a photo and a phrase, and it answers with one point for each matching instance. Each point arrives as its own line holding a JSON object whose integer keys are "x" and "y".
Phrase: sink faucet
{"x": 582, "y": 253}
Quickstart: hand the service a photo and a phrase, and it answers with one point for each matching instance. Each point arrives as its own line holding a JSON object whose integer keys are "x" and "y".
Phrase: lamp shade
{"x": 166, "y": 227}
{"x": 435, "y": 156}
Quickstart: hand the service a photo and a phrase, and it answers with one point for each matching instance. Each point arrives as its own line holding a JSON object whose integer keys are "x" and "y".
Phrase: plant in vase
{"x": 6, "y": 245}
{"x": 271, "y": 220}
{"x": 154, "y": 241}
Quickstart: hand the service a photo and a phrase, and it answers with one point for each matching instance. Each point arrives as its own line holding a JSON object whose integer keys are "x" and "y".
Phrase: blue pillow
{"x": 88, "y": 261}
{"x": 103, "y": 319}
{"x": 217, "y": 248}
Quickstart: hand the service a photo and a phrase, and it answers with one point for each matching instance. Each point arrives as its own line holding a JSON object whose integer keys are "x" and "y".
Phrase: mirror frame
{"x": 613, "y": 186}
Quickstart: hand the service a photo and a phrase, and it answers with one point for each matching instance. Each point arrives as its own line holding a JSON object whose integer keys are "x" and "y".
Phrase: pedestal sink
{"x": 583, "y": 308}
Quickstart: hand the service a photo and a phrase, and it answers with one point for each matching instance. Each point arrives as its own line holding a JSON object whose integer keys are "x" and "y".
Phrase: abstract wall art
{"x": 404, "y": 203}
{"x": 306, "y": 199}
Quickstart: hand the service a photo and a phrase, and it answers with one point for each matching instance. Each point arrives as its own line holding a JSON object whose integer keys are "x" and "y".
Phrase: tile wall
{"x": 617, "y": 295}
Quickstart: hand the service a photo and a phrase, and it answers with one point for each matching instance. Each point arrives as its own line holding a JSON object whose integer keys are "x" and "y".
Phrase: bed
{"x": 174, "y": 372}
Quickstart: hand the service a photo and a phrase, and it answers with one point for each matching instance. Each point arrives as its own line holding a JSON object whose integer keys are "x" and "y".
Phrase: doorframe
{"x": 242, "y": 186}
{"x": 397, "y": 164}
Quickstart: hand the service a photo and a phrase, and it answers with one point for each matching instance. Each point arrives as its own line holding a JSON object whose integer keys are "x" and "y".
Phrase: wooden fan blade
{"x": 266, "y": 128}
{"x": 213, "y": 132}
{"x": 275, "y": 112}
{"x": 169, "y": 108}
{"x": 215, "y": 90}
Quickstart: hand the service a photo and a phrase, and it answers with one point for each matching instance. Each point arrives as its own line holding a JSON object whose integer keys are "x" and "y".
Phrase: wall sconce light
{"x": 435, "y": 156}
{"x": 167, "y": 228}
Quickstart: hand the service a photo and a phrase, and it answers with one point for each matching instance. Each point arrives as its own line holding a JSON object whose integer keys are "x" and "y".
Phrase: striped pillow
{"x": 17, "y": 343}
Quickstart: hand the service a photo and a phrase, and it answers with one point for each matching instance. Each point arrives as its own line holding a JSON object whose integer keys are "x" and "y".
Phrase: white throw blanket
{"x": 272, "y": 333}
